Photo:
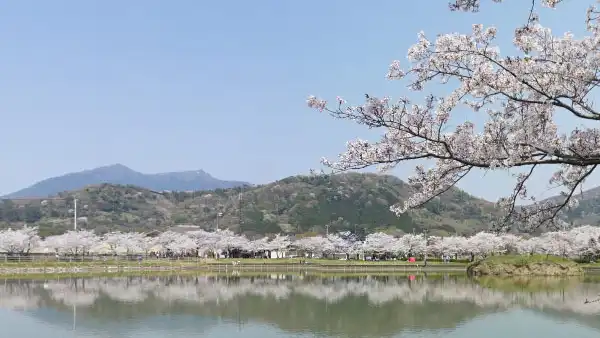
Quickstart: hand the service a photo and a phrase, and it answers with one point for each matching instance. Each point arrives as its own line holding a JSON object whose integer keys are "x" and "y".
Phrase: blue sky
{"x": 214, "y": 85}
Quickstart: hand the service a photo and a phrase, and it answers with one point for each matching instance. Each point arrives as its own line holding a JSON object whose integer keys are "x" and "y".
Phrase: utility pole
{"x": 426, "y": 244}
{"x": 327, "y": 229}
{"x": 220, "y": 214}
{"x": 241, "y": 198}
{"x": 75, "y": 214}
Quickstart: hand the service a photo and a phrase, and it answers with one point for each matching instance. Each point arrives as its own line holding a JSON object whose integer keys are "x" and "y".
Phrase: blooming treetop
{"x": 72, "y": 242}
{"x": 520, "y": 95}
{"x": 378, "y": 242}
{"x": 583, "y": 241}
{"x": 19, "y": 241}
{"x": 279, "y": 242}
{"x": 316, "y": 244}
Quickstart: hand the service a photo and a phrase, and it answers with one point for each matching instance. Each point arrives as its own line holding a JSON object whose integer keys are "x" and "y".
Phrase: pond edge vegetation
{"x": 525, "y": 265}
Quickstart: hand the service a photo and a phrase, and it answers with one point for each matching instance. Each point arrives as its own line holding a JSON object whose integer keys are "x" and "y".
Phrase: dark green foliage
{"x": 299, "y": 204}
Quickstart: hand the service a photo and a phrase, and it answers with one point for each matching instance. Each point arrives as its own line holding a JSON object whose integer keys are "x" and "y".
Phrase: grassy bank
{"x": 199, "y": 262}
{"x": 521, "y": 265}
{"x": 327, "y": 262}
{"x": 158, "y": 266}
{"x": 242, "y": 274}
{"x": 522, "y": 260}
{"x": 207, "y": 262}
{"x": 153, "y": 266}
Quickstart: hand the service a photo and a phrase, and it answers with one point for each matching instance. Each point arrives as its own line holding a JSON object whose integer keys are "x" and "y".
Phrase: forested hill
{"x": 298, "y": 205}
{"x": 587, "y": 210}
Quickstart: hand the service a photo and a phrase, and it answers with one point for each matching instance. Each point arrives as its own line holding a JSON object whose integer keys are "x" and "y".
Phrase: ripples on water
{"x": 300, "y": 306}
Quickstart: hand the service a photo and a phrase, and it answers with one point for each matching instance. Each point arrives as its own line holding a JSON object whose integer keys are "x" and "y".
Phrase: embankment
{"x": 535, "y": 265}
{"x": 217, "y": 267}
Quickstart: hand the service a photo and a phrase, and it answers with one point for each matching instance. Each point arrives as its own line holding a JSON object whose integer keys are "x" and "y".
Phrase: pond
{"x": 280, "y": 305}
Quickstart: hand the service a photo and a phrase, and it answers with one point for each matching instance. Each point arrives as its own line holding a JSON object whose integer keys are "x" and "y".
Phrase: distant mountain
{"x": 295, "y": 205}
{"x": 120, "y": 174}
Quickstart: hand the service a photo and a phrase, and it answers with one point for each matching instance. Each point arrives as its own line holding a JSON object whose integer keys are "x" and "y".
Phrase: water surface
{"x": 299, "y": 306}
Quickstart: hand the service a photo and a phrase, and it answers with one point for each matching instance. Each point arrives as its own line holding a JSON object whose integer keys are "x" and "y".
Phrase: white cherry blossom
{"x": 75, "y": 242}
{"x": 520, "y": 92}
{"x": 581, "y": 242}
{"x": 19, "y": 241}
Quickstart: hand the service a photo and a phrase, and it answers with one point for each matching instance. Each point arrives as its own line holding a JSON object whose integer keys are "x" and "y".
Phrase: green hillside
{"x": 299, "y": 205}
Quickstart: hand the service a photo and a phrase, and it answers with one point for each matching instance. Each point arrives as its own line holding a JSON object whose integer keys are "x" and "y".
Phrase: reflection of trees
{"x": 360, "y": 305}
{"x": 19, "y": 296}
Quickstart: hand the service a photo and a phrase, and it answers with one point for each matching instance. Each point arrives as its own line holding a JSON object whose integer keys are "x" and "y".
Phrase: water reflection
{"x": 350, "y": 306}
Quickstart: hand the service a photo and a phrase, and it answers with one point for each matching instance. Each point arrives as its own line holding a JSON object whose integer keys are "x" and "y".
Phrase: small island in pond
{"x": 525, "y": 265}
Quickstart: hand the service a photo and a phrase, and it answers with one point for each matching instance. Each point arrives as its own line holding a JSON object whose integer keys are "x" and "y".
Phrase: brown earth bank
{"x": 534, "y": 265}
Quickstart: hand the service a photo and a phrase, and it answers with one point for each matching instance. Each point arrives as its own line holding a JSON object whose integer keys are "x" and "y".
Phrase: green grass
{"x": 516, "y": 260}
{"x": 324, "y": 262}
{"x": 523, "y": 260}
{"x": 193, "y": 273}
{"x": 205, "y": 262}
{"x": 590, "y": 265}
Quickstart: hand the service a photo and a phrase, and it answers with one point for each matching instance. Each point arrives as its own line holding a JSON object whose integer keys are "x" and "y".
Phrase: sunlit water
{"x": 299, "y": 306}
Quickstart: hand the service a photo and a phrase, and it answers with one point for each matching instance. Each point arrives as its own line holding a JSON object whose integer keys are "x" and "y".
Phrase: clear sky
{"x": 214, "y": 85}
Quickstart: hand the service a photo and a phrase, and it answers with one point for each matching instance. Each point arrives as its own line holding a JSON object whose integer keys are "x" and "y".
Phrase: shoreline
{"x": 233, "y": 266}
{"x": 216, "y": 267}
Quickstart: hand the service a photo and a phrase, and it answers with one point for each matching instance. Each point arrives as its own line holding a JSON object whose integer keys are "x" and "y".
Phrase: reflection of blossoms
{"x": 69, "y": 295}
{"x": 18, "y": 297}
{"x": 219, "y": 290}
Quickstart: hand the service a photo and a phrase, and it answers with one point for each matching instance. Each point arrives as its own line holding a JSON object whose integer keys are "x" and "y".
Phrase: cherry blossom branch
{"x": 521, "y": 96}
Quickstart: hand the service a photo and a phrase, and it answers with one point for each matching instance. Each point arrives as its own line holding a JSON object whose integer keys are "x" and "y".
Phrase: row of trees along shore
{"x": 580, "y": 242}
{"x": 518, "y": 92}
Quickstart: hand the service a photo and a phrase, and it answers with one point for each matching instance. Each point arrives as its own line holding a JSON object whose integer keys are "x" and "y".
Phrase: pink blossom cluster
{"x": 583, "y": 241}
{"x": 520, "y": 94}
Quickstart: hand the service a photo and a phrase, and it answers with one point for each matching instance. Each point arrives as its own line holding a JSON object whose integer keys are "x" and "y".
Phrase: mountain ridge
{"x": 119, "y": 198}
{"x": 358, "y": 202}
{"x": 123, "y": 175}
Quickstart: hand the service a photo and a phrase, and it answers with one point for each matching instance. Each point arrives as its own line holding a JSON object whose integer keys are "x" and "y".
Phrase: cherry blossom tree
{"x": 531, "y": 246}
{"x": 316, "y": 245}
{"x": 483, "y": 244}
{"x": 582, "y": 242}
{"x": 509, "y": 243}
{"x": 338, "y": 243}
{"x": 258, "y": 245}
{"x": 74, "y": 242}
{"x": 206, "y": 242}
{"x": 378, "y": 243}
{"x": 20, "y": 241}
{"x": 135, "y": 242}
{"x": 182, "y": 245}
{"x": 519, "y": 91}
{"x": 585, "y": 241}
{"x": 412, "y": 245}
{"x": 346, "y": 243}
{"x": 113, "y": 241}
{"x": 171, "y": 242}
{"x": 449, "y": 246}
{"x": 278, "y": 244}
{"x": 229, "y": 241}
